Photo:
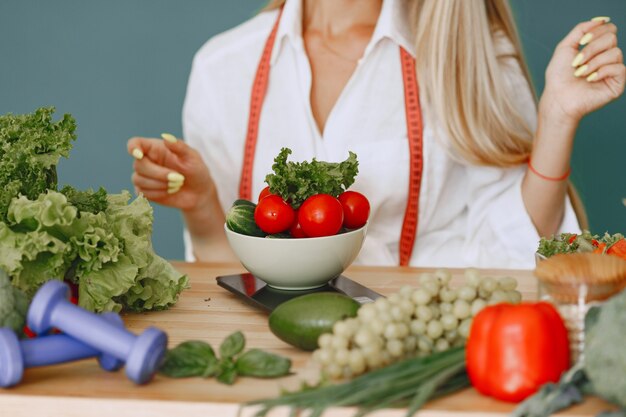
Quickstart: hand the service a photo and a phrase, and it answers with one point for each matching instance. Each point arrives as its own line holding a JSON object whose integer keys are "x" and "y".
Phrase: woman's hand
{"x": 581, "y": 81}
{"x": 170, "y": 172}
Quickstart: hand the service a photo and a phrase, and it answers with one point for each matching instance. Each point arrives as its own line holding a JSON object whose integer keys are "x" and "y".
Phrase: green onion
{"x": 409, "y": 383}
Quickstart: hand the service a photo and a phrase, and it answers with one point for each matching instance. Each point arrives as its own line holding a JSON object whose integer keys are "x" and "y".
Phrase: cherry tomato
{"x": 296, "y": 230}
{"x": 356, "y": 209}
{"x": 320, "y": 215}
{"x": 264, "y": 193}
{"x": 273, "y": 214}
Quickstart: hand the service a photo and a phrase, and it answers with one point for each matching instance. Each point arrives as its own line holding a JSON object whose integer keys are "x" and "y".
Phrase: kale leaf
{"x": 296, "y": 181}
{"x": 88, "y": 201}
{"x": 30, "y": 148}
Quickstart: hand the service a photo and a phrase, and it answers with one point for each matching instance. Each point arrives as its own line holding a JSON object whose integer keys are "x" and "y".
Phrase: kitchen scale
{"x": 257, "y": 293}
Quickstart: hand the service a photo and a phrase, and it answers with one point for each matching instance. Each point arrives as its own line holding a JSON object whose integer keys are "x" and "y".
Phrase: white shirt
{"x": 468, "y": 215}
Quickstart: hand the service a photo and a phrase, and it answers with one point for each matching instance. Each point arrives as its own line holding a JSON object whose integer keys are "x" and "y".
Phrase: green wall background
{"x": 121, "y": 67}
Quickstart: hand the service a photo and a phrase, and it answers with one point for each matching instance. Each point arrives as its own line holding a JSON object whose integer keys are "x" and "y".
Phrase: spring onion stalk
{"x": 408, "y": 383}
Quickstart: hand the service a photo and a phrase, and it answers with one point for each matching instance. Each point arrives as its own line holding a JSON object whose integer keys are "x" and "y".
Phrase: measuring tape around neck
{"x": 414, "y": 133}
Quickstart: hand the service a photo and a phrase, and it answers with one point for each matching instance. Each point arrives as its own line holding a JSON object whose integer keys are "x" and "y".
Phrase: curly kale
{"x": 13, "y": 305}
{"x": 296, "y": 181}
{"x": 86, "y": 201}
{"x": 30, "y": 148}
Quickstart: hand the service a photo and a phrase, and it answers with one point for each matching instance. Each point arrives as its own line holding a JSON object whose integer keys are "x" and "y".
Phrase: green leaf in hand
{"x": 192, "y": 358}
{"x": 232, "y": 345}
{"x": 262, "y": 364}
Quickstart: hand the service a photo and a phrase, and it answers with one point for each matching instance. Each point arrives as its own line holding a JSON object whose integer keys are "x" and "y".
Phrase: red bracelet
{"x": 545, "y": 177}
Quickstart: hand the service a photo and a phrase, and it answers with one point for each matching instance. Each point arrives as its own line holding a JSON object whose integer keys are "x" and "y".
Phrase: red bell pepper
{"x": 512, "y": 350}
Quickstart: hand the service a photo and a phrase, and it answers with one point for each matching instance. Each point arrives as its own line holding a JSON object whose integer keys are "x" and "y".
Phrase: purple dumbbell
{"x": 16, "y": 355}
{"x": 143, "y": 354}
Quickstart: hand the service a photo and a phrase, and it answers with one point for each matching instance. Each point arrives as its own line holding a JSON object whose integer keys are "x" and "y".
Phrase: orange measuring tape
{"x": 414, "y": 133}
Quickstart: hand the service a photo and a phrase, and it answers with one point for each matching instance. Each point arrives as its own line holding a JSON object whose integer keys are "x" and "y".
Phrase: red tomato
{"x": 356, "y": 209}
{"x": 320, "y": 215}
{"x": 296, "y": 230}
{"x": 273, "y": 214}
{"x": 264, "y": 193}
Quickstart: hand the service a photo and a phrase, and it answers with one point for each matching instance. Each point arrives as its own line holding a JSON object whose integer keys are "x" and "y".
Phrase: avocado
{"x": 301, "y": 320}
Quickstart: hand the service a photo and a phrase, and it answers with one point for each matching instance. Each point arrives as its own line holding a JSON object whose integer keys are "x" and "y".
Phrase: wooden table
{"x": 209, "y": 313}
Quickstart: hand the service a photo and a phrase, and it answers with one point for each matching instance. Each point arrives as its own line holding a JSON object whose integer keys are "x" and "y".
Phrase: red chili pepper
{"x": 513, "y": 350}
{"x": 572, "y": 239}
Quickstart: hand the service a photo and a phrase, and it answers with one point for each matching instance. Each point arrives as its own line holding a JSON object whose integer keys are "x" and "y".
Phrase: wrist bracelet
{"x": 545, "y": 177}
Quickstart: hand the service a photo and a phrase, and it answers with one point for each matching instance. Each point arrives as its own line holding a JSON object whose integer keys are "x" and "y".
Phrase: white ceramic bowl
{"x": 297, "y": 264}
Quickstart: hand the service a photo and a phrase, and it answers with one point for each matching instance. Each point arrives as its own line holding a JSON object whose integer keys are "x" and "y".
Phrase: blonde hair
{"x": 461, "y": 78}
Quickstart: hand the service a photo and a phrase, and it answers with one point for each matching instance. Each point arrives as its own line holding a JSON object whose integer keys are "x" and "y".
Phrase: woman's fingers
{"x": 155, "y": 195}
{"x": 597, "y": 32}
{"x": 178, "y": 147}
{"x": 145, "y": 183}
{"x": 595, "y": 47}
{"x": 615, "y": 73}
{"x": 572, "y": 40}
{"x": 172, "y": 180}
{"x": 138, "y": 147}
{"x": 611, "y": 56}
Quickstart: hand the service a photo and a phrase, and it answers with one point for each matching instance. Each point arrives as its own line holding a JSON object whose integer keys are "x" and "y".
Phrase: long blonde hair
{"x": 461, "y": 79}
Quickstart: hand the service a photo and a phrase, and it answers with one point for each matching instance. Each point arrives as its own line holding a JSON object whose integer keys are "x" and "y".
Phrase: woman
{"x": 485, "y": 168}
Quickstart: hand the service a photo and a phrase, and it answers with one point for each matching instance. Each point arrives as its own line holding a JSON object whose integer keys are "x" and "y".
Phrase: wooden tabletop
{"x": 209, "y": 313}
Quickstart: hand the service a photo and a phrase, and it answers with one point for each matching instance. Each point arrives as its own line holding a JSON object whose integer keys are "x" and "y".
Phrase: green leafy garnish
{"x": 232, "y": 345}
{"x": 100, "y": 241}
{"x": 191, "y": 358}
{"x": 261, "y": 364}
{"x": 572, "y": 243}
{"x": 13, "y": 305}
{"x": 296, "y": 181}
{"x": 30, "y": 148}
{"x": 195, "y": 358}
{"x": 86, "y": 201}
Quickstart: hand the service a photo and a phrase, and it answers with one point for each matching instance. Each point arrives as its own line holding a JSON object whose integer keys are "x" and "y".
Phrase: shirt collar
{"x": 392, "y": 24}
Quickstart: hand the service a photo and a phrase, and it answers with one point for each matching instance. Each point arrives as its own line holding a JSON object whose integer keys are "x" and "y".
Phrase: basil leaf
{"x": 227, "y": 371}
{"x": 258, "y": 363}
{"x": 232, "y": 345}
{"x": 192, "y": 358}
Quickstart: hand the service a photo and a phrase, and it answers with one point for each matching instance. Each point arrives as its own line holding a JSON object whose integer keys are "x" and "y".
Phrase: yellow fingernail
{"x": 137, "y": 154}
{"x": 578, "y": 60}
{"x": 586, "y": 39}
{"x": 173, "y": 190}
{"x": 581, "y": 70}
{"x": 169, "y": 137}
{"x": 175, "y": 177}
{"x": 604, "y": 19}
{"x": 175, "y": 182}
{"x": 593, "y": 76}
{"x": 172, "y": 183}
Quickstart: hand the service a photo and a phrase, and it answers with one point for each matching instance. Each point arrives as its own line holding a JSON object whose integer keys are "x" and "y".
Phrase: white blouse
{"x": 468, "y": 215}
